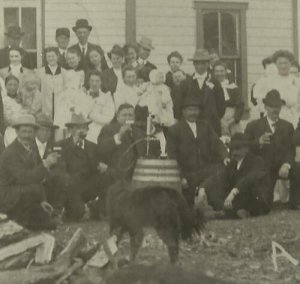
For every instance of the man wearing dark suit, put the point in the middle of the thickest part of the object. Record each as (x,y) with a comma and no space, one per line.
(207,91)
(244,183)
(22,176)
(144,50)
(82,30)
(81,159)
(272,139)
(113,76)
(62,36)
(114,144)
(14,36)
(196,147)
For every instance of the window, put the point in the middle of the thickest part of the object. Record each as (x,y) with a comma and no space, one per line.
(221,28)
(27,18)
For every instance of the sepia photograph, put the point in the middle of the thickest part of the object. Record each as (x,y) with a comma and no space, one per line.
(149,141)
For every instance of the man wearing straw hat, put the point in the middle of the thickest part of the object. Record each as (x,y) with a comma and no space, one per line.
(205,90)
(82,164)
(244,186)
(144,50)
(22,176)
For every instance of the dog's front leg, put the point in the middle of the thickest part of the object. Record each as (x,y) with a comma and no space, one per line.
(136,240)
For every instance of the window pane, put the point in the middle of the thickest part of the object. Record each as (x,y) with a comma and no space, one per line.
(11,17)
(210,31)
(29,28)
(229,32)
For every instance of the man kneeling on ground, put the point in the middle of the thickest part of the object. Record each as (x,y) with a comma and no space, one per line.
(244,182)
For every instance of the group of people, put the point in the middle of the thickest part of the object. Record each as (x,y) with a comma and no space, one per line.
(75,127)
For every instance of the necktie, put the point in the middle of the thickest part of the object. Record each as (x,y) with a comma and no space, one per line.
(80,144)
(64,54)
(83,51)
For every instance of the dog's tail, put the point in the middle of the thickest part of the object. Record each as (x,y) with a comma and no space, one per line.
(192,220)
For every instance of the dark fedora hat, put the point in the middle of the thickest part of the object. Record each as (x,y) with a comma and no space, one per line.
(239,140)
(14,32)
(43,120)
(77,119)
(62,31)
(190,101)
(273,99)
(82,23)
(116,49)
(201,55)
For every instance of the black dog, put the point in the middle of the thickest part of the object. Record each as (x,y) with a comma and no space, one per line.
(163,209)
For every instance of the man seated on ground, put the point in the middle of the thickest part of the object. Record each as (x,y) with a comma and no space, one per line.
(244,183)
(196,147)
(86,174)
(116,143)
(22,176)
(272,139)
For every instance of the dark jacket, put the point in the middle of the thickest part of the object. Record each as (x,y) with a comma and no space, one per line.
(235,101)
(62,60)
(210,99)
(4,58)
(192,153)
(85,63)
(281,149)
(2,123)
(20,171)
(144,71)
(169,79)
(121,158)
(252,180)
(109,81)
(79,162)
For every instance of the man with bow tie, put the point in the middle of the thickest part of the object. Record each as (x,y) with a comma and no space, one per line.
(87,180)
(272,139)
(206,90)
(244,184)
(22,177)
(196,147)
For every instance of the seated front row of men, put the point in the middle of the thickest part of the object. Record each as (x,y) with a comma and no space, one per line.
(40,178)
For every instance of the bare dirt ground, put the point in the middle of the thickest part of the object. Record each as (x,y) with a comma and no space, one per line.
(238,251)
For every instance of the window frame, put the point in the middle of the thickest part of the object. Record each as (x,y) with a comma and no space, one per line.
(26,4)
(241,8)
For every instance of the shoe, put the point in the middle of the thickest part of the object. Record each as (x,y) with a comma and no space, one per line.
(243,214)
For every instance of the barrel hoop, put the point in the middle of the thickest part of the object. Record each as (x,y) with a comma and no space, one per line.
(156,172)
(151,178)
(156,162)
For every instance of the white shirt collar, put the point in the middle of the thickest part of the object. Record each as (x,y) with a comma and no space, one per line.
(239,163)
(62,51)
(83,46)
(271,124)
(53,68)
(142,61)
(193,127)
(200,76)
(41,147)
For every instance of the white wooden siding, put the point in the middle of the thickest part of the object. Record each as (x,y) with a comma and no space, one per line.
(106,16)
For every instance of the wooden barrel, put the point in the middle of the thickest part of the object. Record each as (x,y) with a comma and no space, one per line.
(156,172)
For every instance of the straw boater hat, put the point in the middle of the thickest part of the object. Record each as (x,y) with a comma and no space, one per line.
(201,55)
(146,43)
(77,119)
(238,140)
(82,23)
(273,99)
(14,32)
(25,120)
(43,120)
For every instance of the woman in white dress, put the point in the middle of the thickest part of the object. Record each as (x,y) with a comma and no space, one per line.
(127,92)
(51,82)
(287,85)
(102,111)
(73,98)
(15,67)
